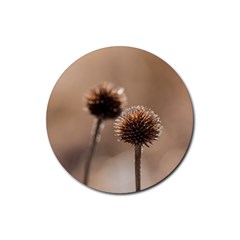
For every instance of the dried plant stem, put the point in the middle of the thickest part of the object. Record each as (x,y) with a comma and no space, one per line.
(138,151)
(91,150)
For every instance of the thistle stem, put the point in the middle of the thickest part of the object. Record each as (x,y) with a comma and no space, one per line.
(91,150)
(138,151)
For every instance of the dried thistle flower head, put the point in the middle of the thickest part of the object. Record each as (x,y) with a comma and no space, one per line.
(105,102)
(138,125)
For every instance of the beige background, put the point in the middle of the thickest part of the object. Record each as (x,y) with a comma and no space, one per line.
(147,81)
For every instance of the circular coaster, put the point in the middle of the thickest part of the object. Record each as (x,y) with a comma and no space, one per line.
(120,120)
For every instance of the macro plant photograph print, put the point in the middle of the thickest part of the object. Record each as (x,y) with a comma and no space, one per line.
(120,120)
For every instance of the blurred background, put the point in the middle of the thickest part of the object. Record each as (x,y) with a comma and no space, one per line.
(147,81)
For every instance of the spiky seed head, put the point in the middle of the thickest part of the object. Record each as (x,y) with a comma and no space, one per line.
(105,101)
(138,125)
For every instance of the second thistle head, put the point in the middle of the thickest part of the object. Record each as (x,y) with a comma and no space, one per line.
(105,102)
(138,125)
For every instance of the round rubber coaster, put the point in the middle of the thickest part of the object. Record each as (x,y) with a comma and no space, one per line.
(120,120)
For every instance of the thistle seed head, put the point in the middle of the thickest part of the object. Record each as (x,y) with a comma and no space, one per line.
(138,125)
(105,101)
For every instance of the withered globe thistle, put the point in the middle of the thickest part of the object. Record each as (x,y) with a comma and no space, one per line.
(105,102)
(138,125)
